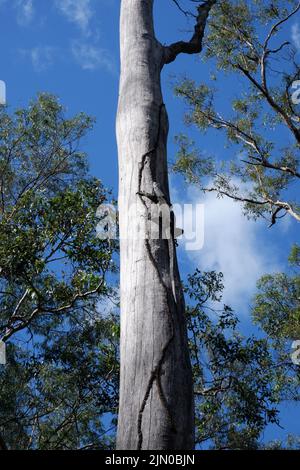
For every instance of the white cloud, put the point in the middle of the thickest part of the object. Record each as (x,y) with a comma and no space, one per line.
(78,12)
(41,57)
(2,92)
(87,56)
(91,57)
(296,35)
(234,246)
(25,11)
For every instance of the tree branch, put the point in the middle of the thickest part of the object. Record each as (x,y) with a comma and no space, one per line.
(42,309)
(194,46)
(267,52)
(276,107)
(276,204)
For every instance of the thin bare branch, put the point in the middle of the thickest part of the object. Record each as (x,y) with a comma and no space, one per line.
(194,46)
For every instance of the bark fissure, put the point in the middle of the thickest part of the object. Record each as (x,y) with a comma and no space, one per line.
(155,375)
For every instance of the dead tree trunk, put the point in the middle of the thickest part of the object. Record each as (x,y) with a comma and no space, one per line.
(156,391)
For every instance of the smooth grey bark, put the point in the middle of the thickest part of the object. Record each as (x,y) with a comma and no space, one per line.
(156,408)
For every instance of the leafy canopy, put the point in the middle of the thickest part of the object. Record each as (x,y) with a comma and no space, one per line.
(247,42)
(61,374)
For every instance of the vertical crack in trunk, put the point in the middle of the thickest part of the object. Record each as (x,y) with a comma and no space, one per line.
(156,372)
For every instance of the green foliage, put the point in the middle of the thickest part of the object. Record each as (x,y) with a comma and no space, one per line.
(190,163)
(61,377)
(292,443)
(235,28)
(57,394)
(294,257)
(39,149)
(277,304)
(277,311)
(260,125)
(236,385)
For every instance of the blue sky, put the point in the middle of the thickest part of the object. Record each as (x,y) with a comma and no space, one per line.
(71,48)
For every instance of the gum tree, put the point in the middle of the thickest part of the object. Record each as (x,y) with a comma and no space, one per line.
(61,373)
(249,42)
(156,390)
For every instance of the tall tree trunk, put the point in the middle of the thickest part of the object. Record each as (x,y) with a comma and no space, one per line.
(156,392)
(156,397)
